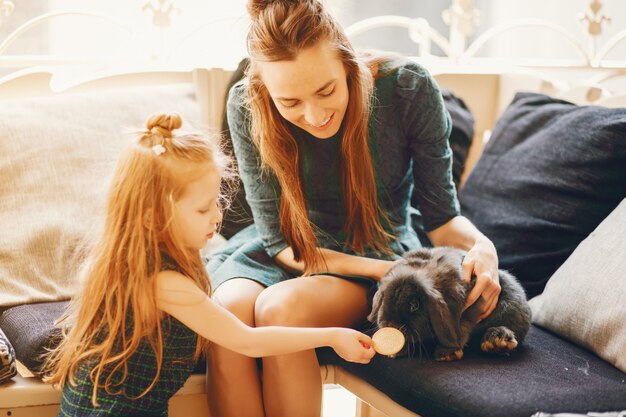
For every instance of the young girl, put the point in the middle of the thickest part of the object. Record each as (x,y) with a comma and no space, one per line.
(132,339)
(332,149)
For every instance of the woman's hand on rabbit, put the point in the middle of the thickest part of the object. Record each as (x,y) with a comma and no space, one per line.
(352,345)
(481,261)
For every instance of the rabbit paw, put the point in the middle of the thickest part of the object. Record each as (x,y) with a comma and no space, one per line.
(448,354)
(498,340)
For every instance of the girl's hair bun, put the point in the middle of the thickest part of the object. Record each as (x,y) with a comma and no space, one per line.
(255,7)
(164,124)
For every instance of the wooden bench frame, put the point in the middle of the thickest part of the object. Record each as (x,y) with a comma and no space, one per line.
(27,396)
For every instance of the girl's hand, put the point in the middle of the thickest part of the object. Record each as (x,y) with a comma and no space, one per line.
(352,345)
(481,261)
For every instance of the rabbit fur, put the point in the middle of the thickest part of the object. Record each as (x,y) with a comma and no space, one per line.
(423,295)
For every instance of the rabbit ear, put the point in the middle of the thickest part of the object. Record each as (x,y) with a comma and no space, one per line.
(446,328)
(377,303)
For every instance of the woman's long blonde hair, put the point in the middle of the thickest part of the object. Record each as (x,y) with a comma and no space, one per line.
(280,29)
(116,306)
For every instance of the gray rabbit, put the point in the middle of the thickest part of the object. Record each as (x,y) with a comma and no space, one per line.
(423,295)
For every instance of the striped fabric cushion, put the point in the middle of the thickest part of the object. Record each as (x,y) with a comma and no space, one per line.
(7,359)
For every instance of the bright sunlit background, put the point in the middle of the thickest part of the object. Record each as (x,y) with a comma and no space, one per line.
(129,33)
(210,33)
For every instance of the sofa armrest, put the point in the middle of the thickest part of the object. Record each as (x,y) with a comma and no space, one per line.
(26,396)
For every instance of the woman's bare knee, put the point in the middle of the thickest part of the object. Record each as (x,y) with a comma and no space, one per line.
(276,307)
(238,296)
(318,301)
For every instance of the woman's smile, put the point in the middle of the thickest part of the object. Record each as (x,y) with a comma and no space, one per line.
(310,91)
(324,124)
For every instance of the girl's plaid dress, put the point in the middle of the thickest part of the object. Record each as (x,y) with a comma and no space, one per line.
(179,345)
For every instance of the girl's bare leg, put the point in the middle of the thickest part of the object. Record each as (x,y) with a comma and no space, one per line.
(292,384)
(233,381)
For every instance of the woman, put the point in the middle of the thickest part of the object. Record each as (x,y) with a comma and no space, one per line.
(329,148)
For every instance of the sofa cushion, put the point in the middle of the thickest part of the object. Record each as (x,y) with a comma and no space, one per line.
(32,331)
(550,173)
(57,153)
(7,359)
(584,299)
(461,134)
(547,373)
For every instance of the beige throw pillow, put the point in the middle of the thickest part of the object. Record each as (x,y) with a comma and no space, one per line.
(584,299)
(56,157)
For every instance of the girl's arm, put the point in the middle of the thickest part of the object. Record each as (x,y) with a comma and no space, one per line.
(481,260)
(338,263)
(181,298)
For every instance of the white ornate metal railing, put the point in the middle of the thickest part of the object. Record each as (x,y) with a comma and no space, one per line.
(151,38)
(6,7)
(49,16)
(462,19)
(459,46)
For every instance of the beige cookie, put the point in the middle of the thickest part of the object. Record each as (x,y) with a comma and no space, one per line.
(388,341)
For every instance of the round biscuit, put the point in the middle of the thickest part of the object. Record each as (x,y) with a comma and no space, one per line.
(388,341)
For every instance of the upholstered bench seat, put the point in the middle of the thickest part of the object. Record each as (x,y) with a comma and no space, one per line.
(547,374)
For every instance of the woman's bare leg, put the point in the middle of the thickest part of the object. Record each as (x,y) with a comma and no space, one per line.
(231,376)
(292,384)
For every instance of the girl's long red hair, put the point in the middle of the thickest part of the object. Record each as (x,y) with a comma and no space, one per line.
(116,308)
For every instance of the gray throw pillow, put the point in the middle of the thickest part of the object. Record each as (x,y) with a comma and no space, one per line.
(551,172)
(584,299)
(33,332)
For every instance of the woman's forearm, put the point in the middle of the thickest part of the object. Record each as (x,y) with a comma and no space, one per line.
(458,232)
(338,263)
